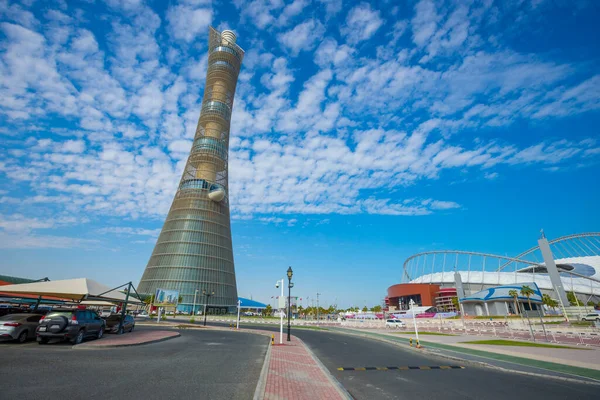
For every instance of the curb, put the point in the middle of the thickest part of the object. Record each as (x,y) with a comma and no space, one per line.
(591,381)
(341,390)
(89,346)
(261,386)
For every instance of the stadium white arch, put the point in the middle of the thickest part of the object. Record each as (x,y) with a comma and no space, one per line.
(578,263)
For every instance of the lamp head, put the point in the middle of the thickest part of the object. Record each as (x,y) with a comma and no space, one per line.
(290,273)
(277,285)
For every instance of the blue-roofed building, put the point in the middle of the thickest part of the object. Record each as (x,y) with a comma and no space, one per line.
(497,301)
(248,303)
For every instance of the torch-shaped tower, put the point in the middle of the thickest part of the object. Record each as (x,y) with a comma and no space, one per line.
(194,252)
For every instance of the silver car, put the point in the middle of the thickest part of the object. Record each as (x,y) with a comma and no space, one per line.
(19,327)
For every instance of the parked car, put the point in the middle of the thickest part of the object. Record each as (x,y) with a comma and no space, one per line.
(19,327)
(142,315)
(6,309)
(70,324)
(112,323)
(591,317)
(394,323)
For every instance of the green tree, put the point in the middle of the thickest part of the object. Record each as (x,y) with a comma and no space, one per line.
(364,309)
(591,303)
(149,299)
(573,300)
(268,311)
(514,295)
(546,299)
(456,303)
(527,292)
(377,308)
(300,309)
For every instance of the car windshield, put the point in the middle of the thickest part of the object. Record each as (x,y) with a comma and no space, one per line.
(11,317)
(115,317)
(59,314)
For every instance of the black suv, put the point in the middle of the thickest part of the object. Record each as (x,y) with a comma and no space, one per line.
(73,325)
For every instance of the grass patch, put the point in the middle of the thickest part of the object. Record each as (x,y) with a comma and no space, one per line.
(314,328)
(500,342)
(425,333)
(582,323)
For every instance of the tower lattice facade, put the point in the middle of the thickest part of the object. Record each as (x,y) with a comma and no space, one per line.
(194,249)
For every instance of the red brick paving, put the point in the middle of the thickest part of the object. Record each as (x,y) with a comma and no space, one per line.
(294,374)
(129,339)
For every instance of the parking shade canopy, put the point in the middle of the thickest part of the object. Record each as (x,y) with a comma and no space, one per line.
(73,289)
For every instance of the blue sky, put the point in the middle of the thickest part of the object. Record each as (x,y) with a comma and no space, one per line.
(362,132)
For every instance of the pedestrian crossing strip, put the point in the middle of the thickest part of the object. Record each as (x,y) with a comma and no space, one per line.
(401,368)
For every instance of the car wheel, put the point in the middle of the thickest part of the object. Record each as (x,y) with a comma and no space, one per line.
(131,330)
(79,338)
(100,333)
(22,337)
(121,331)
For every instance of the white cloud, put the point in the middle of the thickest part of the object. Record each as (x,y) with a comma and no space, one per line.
(189,22)
(28,241)
(306,138)
(291,10)
(332,7)
(302,37)
(73,146)
(361,23)
(130,231)
(491,175)
(424,23)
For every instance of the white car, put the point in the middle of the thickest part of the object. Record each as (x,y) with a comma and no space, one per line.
(591,317)
(394,323)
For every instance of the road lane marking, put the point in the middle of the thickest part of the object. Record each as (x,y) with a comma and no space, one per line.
(401,368)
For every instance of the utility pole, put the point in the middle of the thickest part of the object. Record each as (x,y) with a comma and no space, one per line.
(318,294)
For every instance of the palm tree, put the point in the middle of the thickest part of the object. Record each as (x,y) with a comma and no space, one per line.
(455,303)
(527,292)
(514,295)
(268,310)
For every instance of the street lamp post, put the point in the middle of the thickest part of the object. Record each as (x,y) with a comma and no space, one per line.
(239,304)
(412,303)
(282,298)
(290,285)
(194,308)
(207,294)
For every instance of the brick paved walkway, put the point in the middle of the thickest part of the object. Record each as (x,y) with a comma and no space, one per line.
(129,339)
(294,374)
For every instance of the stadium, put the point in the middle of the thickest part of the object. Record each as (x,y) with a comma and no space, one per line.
(431,278)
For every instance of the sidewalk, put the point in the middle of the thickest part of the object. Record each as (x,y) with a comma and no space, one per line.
(294,373)
(129,339)
(291,370)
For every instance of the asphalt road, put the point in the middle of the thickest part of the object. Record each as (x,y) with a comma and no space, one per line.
(474,382)
(199,364)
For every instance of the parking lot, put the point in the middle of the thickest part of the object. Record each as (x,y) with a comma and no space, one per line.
(199,364)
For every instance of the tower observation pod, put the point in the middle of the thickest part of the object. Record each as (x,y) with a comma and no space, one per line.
(193,252)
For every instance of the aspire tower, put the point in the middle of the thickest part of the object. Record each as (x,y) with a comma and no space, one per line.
(193,253)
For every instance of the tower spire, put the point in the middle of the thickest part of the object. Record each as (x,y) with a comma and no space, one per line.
(194,249)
